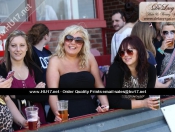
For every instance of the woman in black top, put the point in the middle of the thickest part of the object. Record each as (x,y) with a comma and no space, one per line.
(131,70)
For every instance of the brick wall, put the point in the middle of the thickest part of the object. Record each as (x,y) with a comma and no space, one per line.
(95,39)
(110,6)
(96,33)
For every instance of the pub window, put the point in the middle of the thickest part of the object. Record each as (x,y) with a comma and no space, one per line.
(14,10)
(65,9)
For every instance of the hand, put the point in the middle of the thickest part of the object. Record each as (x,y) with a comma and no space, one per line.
(5,83)
(151,103)
(102,108)
(57,117)
(165,43)
(25,123)
(40,85)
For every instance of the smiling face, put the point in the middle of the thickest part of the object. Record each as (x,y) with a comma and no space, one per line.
(73,47)
(17,48)
(130,57)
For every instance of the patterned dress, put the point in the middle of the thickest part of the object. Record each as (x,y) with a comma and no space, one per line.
(6,119)
(171,69)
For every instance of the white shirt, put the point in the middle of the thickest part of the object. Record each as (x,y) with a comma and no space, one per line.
(49,14)
(116,41)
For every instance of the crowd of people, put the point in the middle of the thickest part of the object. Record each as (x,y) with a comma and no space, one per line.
(140,53)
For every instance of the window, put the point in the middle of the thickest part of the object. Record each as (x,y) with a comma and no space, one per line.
(13,10)
(64,9)
(56,14)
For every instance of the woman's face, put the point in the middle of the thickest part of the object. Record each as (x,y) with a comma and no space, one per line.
(129,56)
(73,44)
(168,30)
(17,48)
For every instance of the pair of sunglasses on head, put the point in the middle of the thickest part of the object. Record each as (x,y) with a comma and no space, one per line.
(70,38)
(168,32)
(128,51)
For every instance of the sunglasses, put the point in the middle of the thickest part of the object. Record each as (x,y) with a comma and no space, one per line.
(128,51)
(70,38)
(168,32)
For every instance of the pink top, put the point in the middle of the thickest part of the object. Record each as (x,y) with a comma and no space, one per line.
(27,83)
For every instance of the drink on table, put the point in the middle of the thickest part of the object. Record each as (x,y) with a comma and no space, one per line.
(32,117)
(156,98)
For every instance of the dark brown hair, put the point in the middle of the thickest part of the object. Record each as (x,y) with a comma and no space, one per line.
(131,12)
(28,57)
(142,66)
(36,33)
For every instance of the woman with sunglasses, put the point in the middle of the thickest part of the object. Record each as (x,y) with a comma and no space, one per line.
(147,39)
(131,70)
(165,51)
(73,66)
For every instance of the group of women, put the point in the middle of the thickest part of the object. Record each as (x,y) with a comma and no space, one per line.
(73,66)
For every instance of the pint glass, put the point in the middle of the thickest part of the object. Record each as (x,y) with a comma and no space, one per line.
(63,109)
(32,117)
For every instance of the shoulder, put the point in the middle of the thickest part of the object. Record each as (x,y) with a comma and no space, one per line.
(48,7)
(151,68)
(115,67)
(91,58)
(54,58)
(48,51)
(3,71)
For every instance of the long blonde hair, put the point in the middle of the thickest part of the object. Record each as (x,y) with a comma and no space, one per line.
(146,33)
(84,52)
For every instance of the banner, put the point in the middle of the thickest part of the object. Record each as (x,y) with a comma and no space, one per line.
(96,91)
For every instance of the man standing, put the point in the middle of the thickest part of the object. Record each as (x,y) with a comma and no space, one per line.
(118,21)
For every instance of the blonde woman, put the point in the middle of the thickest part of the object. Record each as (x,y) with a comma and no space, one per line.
(73,66)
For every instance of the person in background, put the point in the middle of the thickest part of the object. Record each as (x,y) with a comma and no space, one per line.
(131,70)
(38,37)
(147,37)
(10,113)
(44,12)
(74,66)
(158,36)
(118,20)
(131,16)
(18,58)
(165,52)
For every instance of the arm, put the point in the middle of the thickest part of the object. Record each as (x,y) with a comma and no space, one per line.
(98,82)
(18,118)
(159,57)
(53,77)
(113,50)
(115,80)
(115,76)
(151,76)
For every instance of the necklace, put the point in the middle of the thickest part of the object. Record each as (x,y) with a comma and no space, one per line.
(23,81)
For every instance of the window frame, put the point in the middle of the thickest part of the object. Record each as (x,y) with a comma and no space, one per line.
(98,22)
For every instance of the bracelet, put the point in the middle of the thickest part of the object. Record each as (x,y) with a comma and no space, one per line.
(160,50)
